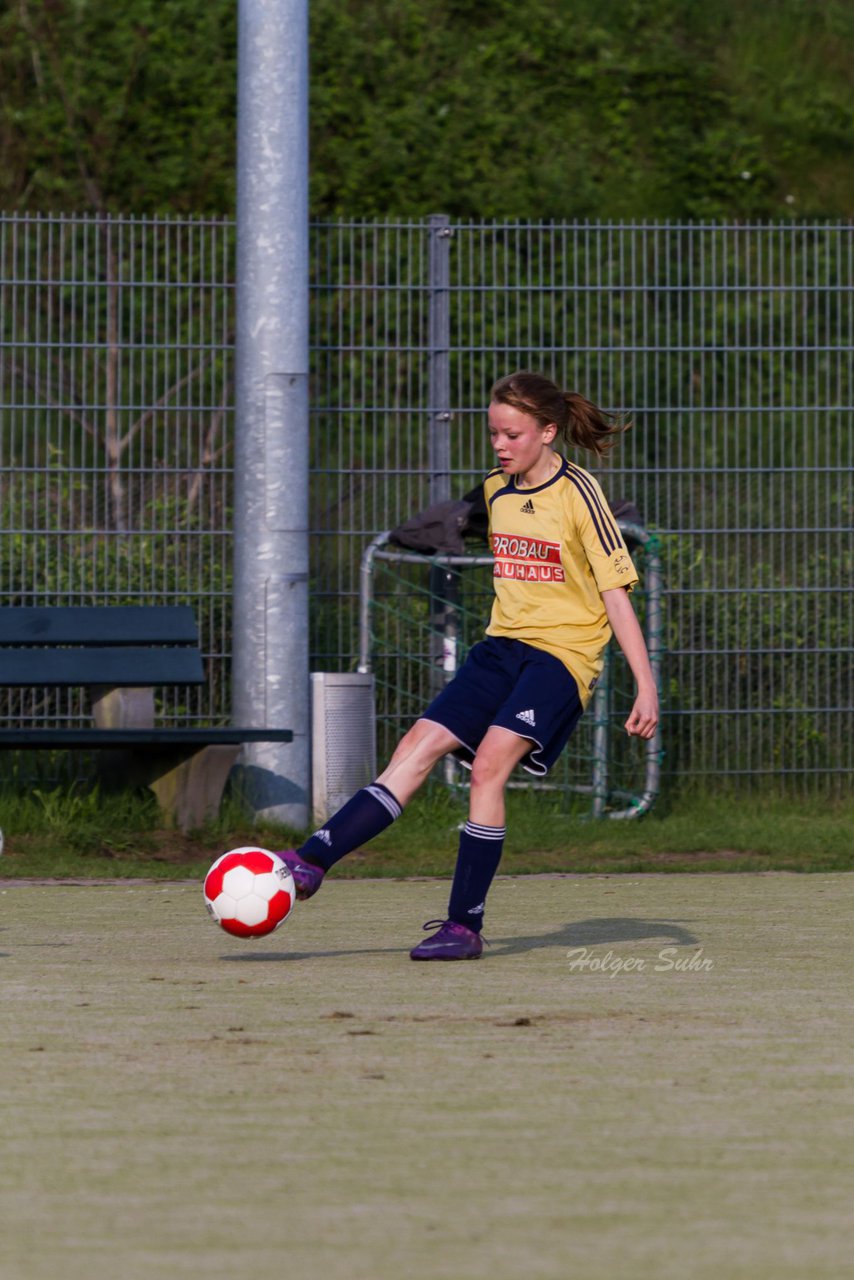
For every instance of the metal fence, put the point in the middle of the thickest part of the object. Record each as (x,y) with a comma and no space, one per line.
(115,396)
(729,346)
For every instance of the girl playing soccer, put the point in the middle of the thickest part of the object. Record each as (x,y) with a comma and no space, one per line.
(562,581)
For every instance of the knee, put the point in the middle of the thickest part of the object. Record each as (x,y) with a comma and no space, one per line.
(488,770)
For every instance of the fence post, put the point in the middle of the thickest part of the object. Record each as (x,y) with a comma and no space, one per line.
(438,357)
(601,716)
(270,670)
(443,584)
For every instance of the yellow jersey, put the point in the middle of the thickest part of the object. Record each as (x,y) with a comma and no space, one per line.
(557,547)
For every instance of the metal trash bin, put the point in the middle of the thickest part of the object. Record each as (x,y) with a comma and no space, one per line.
(343,738)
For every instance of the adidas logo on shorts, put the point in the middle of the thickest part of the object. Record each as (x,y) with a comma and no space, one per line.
(528,717)
(528,508)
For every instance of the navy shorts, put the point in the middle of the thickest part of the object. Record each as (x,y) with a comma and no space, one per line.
(511,684)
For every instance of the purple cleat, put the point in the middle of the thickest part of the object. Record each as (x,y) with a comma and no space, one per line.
(307,877)
(451,942)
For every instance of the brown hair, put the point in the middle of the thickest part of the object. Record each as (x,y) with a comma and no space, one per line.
(578,420)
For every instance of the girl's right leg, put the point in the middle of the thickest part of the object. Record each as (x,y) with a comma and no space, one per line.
(415,755)
(372,809)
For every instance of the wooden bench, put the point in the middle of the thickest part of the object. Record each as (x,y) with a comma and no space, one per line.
(120,654)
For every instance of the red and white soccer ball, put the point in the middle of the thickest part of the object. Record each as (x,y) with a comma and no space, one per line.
(249,892)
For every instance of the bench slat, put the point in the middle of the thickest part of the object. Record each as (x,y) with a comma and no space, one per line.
(122,668)
(63,738)
(99,625)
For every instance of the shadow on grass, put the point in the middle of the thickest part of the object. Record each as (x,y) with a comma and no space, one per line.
(582,933)
(260,957)
(596,932)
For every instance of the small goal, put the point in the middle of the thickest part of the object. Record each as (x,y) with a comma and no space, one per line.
(418,616)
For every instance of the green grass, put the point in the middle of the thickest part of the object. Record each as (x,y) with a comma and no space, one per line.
(179,1105)
(78,833)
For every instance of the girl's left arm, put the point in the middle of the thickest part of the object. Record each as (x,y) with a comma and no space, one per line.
(643,719)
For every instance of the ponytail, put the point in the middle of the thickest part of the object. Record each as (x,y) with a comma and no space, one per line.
(588,426)
(579,421)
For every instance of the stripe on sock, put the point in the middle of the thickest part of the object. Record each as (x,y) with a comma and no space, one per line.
(386,799)
(485,833)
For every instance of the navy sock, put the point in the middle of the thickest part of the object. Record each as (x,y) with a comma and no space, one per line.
(477,863)
(364,816)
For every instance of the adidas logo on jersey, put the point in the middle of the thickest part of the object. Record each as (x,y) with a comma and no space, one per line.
(528,508)
(528,717)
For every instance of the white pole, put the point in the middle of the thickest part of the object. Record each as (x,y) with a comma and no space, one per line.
(270,621)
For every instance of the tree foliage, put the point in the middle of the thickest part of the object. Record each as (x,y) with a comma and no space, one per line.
(128,106)
(481,108)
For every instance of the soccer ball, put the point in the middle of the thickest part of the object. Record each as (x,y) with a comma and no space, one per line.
(249,892)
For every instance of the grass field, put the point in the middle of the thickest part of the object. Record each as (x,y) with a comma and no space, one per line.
(67,833)
(179,1104)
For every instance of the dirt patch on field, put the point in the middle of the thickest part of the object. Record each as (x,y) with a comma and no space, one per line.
(704,861)
(718,855)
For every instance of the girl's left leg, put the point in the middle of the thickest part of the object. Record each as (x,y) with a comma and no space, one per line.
(480,849)
(482,838)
